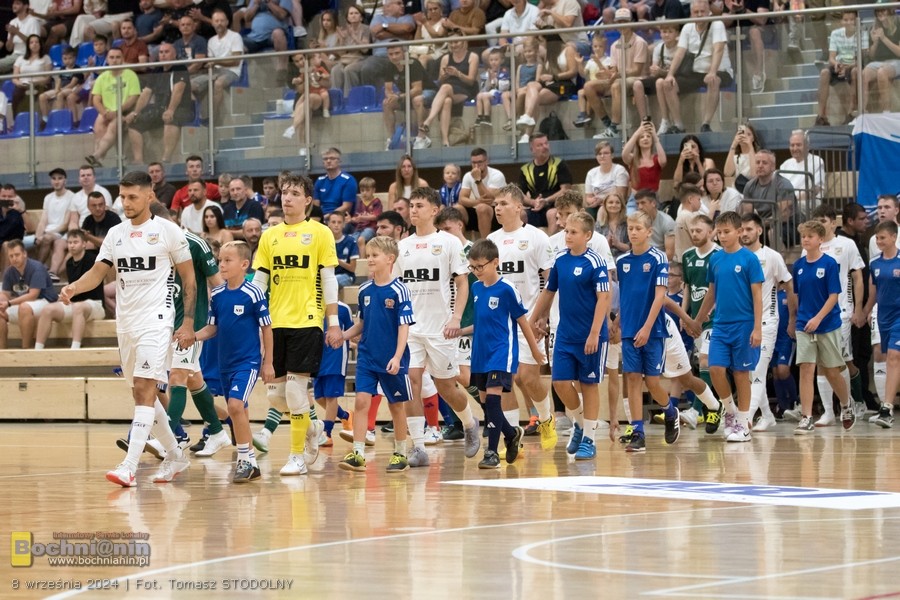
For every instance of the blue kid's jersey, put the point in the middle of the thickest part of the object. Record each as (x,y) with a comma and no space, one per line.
(577,279)
(813,283)
(733,274)
(639,276)
(784,314)
(238,314)
(688,341)
(886,276)
(334,360)
(383,309)
(347,249)
(495,345)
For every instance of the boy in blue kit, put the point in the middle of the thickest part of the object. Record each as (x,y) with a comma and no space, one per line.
(643,283)
(238,308)
(385,314)
(495,352)
(581,277)
(783,360)
(346,247)
(885,290)
(331,378)
(735,286)
(817,283)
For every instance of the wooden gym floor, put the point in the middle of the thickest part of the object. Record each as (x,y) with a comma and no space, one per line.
(623,526)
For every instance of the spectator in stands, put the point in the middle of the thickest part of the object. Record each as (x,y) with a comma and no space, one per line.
(391,224)
(252,230)
(660,61)
(59,19)
(662,10)
(171,21)
(690,207)
(163,190)
(606,178)
(78,208)
(149,24)
(214,229)
(224,43)
(598,73)
(97,224)
(134,49)
(269,190)
(555,82)
(630,52)
(406,178)
(48,236)
(760,32)
(476,196)
(203,12)
(224,180)
(346,247)
(612,223)
(23,26)
(718,198)
(26,290)
(431,28)
(317,99)
(691,157)
(804,170)
(251,194)
(192,216)
(458,83)
(105,98)
(193,167)
(646,158)
(34,61)
(190,45)
(401,207)
(65,90)
(884,52)
(84,307)
(468,19)
(742,155)
(336,189)
(562,14)
(493,82)
(391,24)
(768,192)
(841,68)
(518,19)
(240,208)
(268,20)
(354,33)
(707,42)
(420,90)
(165,102)
(368,209)
(662,234)
(12,226)
(108,25)
(542,179)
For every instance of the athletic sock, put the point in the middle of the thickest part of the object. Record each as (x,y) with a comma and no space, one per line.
(373,412)
(446,412)
(161,429)
(342,414)
(400,447)
(473,391)
(704,375)
(203,400)
(299,427)
(638,425)
(75,346)
(880,380)
(743,417)
(728,402)
(273,419)
(312,410)
(251,456)
(856,390)
(494,416)
(826,393)
(543,409)
(590,429)
(466,417)
(790,384)
(708,399)
(329,427)
(179,431)
(177,403)
(137,437)
(40,346)
(416,427)
(432,414)
(845,374)
(359,447)
(243,451)
(672,408)
(512,418)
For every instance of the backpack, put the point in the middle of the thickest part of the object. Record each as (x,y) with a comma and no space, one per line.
(553,128)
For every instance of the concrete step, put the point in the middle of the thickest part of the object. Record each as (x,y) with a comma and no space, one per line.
(784,123)
(787,109)
(240,142)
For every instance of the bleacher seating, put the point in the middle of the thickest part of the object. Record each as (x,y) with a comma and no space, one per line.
(58,122)
(21,126)
(85,53)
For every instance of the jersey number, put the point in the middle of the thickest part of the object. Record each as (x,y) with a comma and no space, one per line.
(136,263)
(290,261)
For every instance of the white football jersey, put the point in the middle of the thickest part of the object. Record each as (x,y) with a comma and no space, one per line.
(428,265)
(845,252)
(598,243)
(524,253)
(144,258)
(775,272)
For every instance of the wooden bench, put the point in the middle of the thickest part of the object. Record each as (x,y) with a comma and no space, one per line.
(96,333)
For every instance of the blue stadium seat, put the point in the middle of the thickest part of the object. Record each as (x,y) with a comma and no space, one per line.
(336,98)
(361,99)
(86,125)
(58,122)
(8,88)
(85,52)
(20,126)
(55,55)
(244,80)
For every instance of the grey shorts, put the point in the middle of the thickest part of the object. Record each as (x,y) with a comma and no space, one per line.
(822,349)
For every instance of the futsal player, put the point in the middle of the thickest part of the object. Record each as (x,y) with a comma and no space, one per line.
(145,251)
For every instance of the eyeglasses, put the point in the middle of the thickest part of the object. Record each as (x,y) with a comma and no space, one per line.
(324,158)
(478,268)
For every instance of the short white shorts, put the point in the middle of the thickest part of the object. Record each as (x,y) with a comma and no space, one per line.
(613,355)
(187,359)
(525,351)
(428,387)
(464,350)
(677,361)
(435,354)
(145,354)
(96,314)
(36,307)
(876,335)
(702,343)
(766,351)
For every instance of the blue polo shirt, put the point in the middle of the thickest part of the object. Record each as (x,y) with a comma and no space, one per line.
(331,193)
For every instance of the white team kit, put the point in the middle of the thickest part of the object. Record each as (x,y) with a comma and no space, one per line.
(844,251)
(775,272)
(428,265)
(144,258)
(524,253)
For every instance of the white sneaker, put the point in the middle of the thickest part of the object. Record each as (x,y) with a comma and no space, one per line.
(387,145)
(689,417)
(825,421)
(729,423)
(311,447)
(303,152)
(422,142)
(524,139)
(155,447)
(859,409)
(121,475)
(758,83)
(765,423)
(525,121)
(793,414)
(289,133)
(370,437)
(326,114)
(214,443)
(261,440)
(433,436)
(172,466)
(346,435)
(739,433)
(663,127)
(294,466)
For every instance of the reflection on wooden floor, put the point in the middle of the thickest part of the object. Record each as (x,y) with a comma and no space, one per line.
(332,534)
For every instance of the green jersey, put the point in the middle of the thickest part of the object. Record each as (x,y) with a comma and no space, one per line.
(696,268)
(204,266)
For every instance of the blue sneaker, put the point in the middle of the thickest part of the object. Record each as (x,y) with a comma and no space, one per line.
(586,450)
(575,441)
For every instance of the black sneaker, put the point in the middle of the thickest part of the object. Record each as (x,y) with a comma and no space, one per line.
(245,472)
(675,130)
(532,427)
(388,427)
(513,445)
(673,428)
(199,445)
(714,418)
(626,437)
(705,128)
(122,443)
(885,419)
(453,433)
(637,442)
(491,460)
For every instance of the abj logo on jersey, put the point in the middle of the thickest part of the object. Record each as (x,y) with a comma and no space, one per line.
(493,302)
(626,268)
(577,271)
(820,273)
(238,310)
